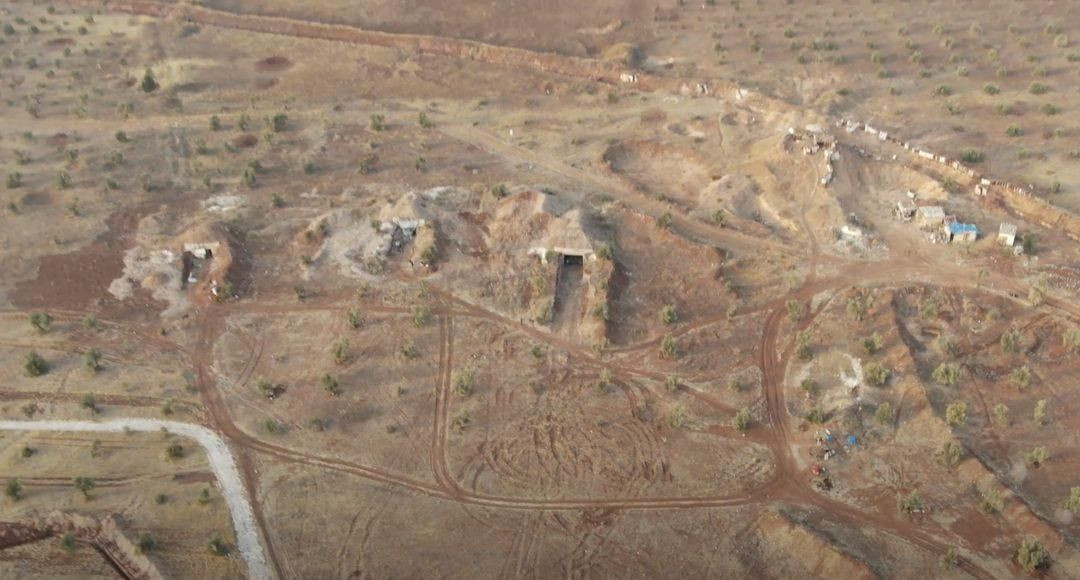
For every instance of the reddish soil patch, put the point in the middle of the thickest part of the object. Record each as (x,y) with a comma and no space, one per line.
(79,279)
(263,84)
(273,63)
(244,141)
(58,43)
(58,140)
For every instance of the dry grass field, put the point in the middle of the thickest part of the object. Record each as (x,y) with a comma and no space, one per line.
(539,289)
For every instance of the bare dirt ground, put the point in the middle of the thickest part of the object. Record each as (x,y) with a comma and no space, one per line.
(750,369)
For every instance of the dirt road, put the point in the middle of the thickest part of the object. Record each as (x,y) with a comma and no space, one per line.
(248,535)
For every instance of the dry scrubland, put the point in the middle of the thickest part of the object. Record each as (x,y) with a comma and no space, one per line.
(474,305)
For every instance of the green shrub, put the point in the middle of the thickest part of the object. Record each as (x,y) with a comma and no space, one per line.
(956,414)
(876,374)
(35,366)
(1032,554)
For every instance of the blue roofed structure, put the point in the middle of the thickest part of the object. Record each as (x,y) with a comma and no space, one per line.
(961,232)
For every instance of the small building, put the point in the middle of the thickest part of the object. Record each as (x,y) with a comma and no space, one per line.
(961,232)
(905,209)
(202,251)
(930,216)
(1006,234)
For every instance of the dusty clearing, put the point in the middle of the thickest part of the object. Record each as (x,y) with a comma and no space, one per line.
(641,289)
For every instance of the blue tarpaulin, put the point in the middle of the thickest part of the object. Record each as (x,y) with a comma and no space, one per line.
(851,440)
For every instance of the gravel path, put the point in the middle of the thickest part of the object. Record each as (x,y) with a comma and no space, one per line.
(221,461)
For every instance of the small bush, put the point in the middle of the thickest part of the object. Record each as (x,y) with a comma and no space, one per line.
(876,374)
(950,454)
(147,543)
(947,374)
(741,421)
(795,310)
(1038,88)
(956,414)
(910,503)
(993,502)
(972,156)
(664,221)
(669,348)
(1032,554)
(884,414)
(949,559)
(668,315)
(421,316)
(174,451)
(1001,415)
(872,343)
(1041,414)
(1073,503)
(35,366)
(41,321)
(464,382)
(816,416)
(92,359)
(218,547)
(1014,131)
(149,84)
(340,351)
(330,384)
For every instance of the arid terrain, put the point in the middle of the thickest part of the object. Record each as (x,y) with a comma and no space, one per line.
(626,288)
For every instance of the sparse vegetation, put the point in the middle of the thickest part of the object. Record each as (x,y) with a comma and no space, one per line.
(421,316)
(741,421)
(146,543)
(669,348)
(876,374)
(956,414)
(84,485)
(1032,554)
(950,454)
(884,414)
(910,503)
(1038,456)
(668,315)
(13,489)
(41,321)
(92,359)
(464,382)
(993,502)
(1041,415)
(330,384)
(947,374)
(872,344)
(218,547)
(35,366)
(1001,415)
(949,559)
(794,310)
